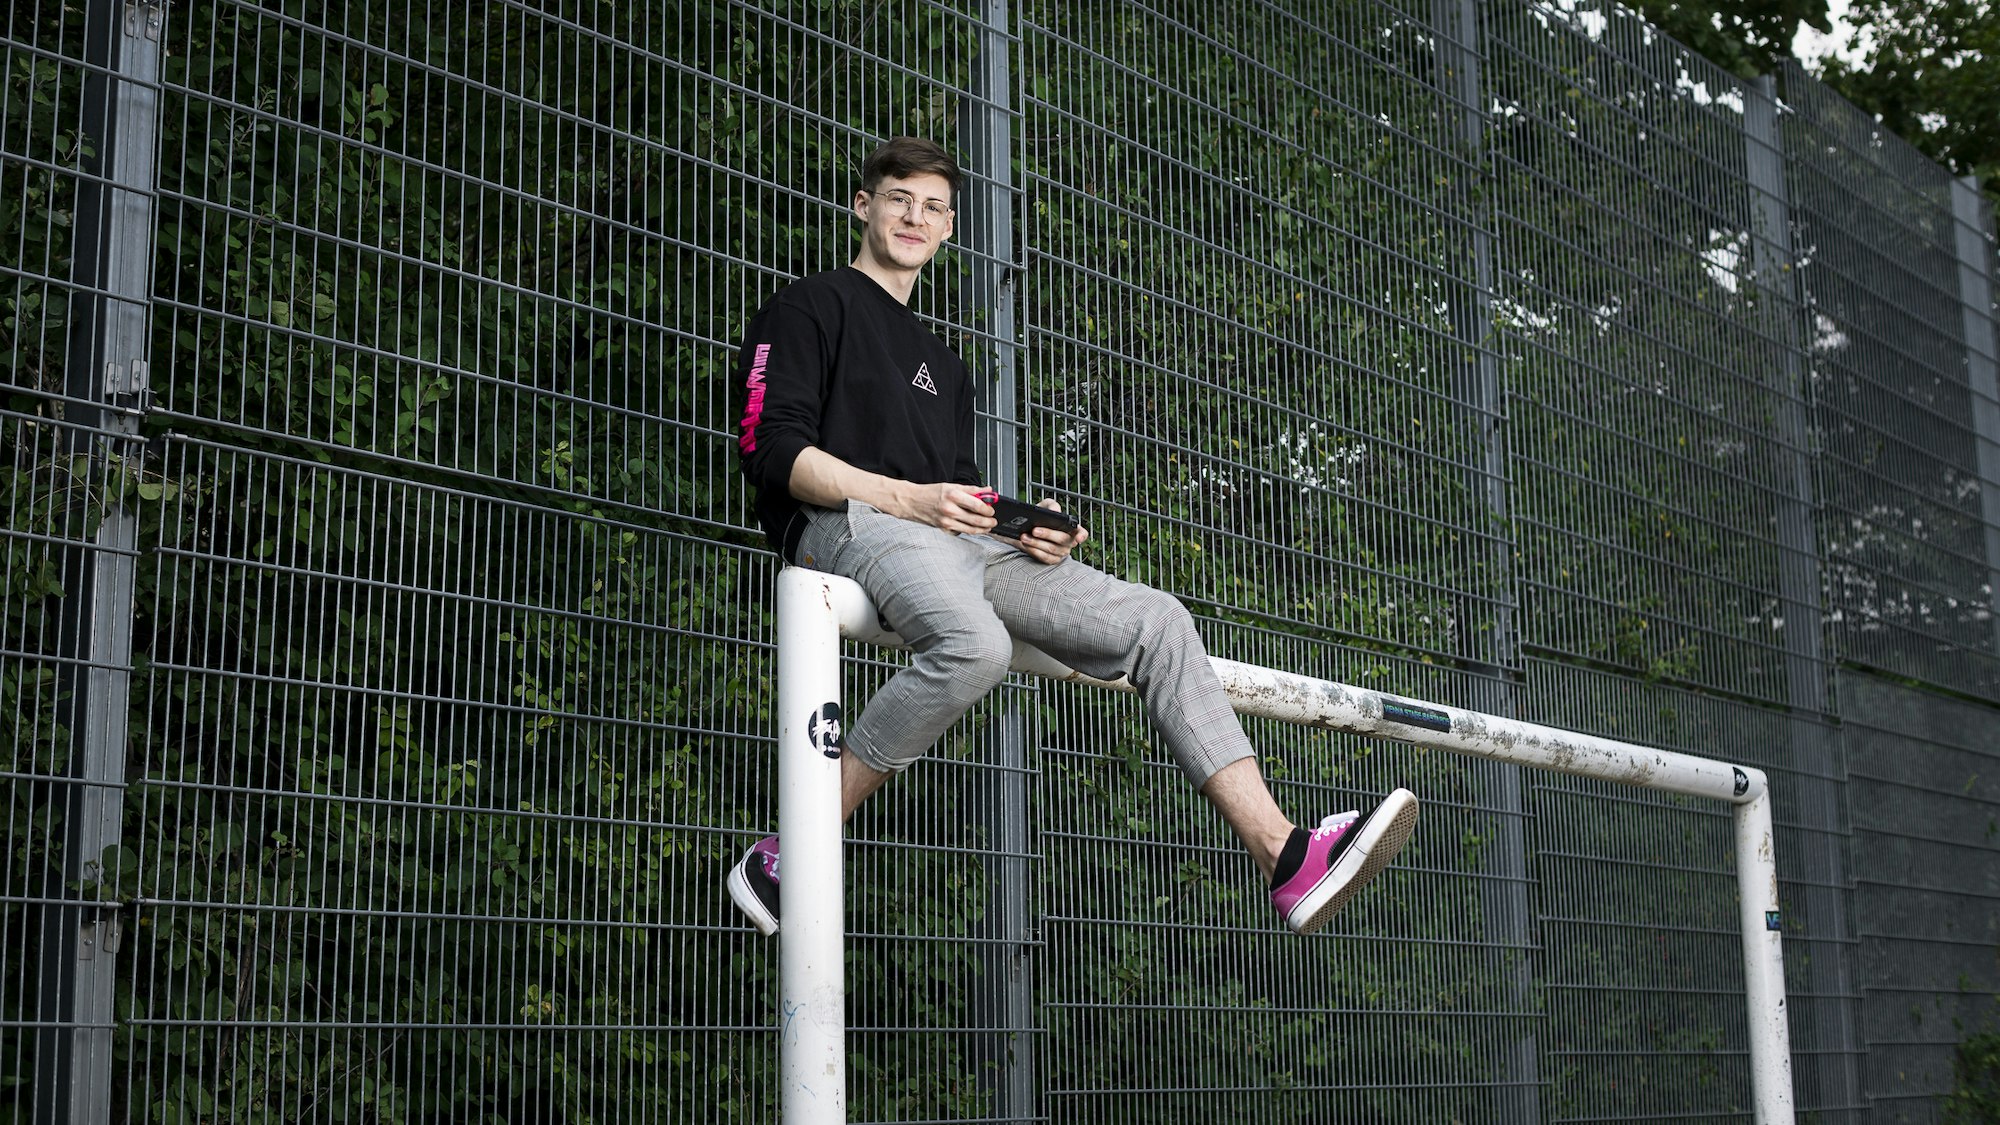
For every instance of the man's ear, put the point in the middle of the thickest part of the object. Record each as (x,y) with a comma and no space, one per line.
(860,204)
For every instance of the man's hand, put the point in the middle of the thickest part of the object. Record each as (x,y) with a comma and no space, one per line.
(949,507)
(1046,544)
(818,477)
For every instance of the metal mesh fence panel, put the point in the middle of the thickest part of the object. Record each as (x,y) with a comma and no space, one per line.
(1927,889)
(1906,517)
(427,825)
(369,391)
(1641,967)
(1642,384)
(1660,489)
(1253,363)
(1235,308)
(471,239)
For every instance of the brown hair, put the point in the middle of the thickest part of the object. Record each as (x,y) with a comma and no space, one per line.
(902,157)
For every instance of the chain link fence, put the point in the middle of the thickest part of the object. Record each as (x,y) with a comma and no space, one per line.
(389,645)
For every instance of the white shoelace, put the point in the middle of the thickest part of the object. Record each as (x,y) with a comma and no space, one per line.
(1339,820)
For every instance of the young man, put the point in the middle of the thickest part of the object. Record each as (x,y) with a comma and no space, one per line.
(857,431)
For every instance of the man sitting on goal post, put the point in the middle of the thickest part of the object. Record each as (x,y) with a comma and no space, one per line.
(857,432)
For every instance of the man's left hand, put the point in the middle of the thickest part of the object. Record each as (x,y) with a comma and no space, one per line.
(1046,544)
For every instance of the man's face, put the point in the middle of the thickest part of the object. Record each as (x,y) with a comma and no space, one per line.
(902,230)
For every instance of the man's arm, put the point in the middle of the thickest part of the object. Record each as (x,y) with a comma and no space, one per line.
(820,478)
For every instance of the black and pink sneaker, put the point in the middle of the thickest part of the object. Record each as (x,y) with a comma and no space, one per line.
(1320,870)
(753,885)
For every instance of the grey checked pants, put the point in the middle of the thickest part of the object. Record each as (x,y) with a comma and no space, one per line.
(959,601)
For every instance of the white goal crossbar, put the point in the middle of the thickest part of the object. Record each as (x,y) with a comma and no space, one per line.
(815,610)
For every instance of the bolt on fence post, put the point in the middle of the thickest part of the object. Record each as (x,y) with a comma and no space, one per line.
(812,1015)
(107,365)
(1974,227)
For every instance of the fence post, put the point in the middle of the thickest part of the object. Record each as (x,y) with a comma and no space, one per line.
(1823,891)
(1781,320)
(1006,1001)
(988,238)
(112,285)
(812,989)
(1982,364)
(1009,991)
(1478,387)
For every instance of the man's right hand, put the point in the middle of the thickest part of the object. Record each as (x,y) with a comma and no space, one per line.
(818,477)
(955,508)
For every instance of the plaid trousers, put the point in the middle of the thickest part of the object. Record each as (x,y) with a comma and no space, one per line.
(960,600)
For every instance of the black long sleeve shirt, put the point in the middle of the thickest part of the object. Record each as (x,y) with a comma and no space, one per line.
(834,361)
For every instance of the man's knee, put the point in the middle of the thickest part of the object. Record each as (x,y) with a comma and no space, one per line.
(955,671)
(975,657)
(1164,617)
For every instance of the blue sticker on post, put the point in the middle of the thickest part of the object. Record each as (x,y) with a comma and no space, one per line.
(824,729)
(1772,921)
(1411,715)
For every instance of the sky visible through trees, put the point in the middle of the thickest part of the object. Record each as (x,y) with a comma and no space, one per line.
(1929,70)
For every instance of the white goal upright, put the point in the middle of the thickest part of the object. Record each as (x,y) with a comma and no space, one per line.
(816,610)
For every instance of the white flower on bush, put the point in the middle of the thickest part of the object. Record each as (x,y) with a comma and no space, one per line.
(1316,460)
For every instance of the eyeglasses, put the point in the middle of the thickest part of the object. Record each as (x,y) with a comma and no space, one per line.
(903,203)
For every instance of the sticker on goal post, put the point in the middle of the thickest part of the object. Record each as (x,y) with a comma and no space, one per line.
(824,729)
(1411,715)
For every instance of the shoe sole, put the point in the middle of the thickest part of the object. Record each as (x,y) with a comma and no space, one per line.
(747,901)
(1380,837)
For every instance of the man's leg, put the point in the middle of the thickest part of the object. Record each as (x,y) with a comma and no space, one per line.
(1238,792)
(1107,627)
(858,782)
(925,583)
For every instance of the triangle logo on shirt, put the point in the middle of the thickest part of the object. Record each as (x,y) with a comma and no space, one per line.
(923,379)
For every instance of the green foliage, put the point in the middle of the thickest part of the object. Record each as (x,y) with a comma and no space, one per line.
(1746,38)
(1926,69)
(1236,354)
(1160,936)
(1976,1098)
(415,861)
(1927,73)
(37,203)
(1644,394)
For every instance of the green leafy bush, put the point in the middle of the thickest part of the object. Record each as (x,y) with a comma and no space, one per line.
(1976,1100)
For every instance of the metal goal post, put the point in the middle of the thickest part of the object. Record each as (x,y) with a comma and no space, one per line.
(816,610)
